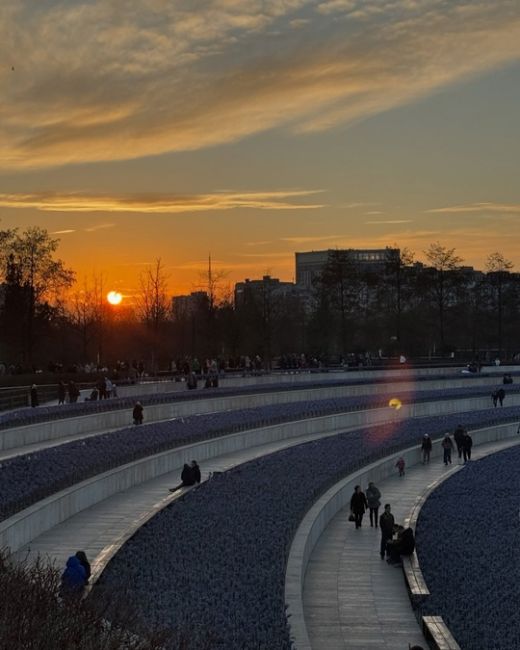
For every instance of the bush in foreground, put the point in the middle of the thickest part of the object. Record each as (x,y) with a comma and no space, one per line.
(32,616)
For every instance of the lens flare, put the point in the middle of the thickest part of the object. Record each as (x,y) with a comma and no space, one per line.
(395,403)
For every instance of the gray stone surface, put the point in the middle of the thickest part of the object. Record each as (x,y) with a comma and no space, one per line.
(352,599)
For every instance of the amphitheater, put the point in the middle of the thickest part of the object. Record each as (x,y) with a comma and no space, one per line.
(262,556)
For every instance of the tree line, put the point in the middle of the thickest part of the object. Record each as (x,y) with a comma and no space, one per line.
(400,306)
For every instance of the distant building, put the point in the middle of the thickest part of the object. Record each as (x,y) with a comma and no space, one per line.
(189,305)
(309,265)
(260,289)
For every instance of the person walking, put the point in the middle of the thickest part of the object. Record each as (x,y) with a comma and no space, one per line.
(73,392)
(458,434)
(373,499)
(137,413)
(426,447)
(34,396)
(467,444)
(447,447)
(501,393)
(400,465)
(358,505)
(494,397)
(386,524)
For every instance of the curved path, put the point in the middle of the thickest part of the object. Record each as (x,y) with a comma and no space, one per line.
(101,529)
(353,600)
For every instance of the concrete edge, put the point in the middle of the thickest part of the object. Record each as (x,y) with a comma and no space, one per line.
(53,430)
(26,525)
(334,500)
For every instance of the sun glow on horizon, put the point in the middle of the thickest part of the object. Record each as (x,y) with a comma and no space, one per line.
(114,297)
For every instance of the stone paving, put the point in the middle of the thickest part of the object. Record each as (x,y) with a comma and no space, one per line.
(352,599)
(96,529)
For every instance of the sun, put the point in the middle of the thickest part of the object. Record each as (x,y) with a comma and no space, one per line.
(114,297)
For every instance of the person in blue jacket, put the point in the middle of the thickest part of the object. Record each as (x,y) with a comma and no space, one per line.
(73,579)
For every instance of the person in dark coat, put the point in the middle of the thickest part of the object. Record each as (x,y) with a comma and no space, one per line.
(358,505)
(403,545)
(373,499)
(34,396)
(82,557)
(458,434)
(137,413)
(501,393)
(73,392)
(447,447)
(191,381)
(494,397)
(102,388)
(467,444)
(195,470)
(189,476)
(387,525)
(73,579)
(94,394)
(426,447)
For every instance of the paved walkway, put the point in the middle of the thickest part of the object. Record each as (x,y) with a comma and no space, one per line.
(96,529)
(352,599)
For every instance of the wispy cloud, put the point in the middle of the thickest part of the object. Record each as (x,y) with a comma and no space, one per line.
(481,208)
(63,232)
(388,221)
(273,255)
(93,82)
(307,239)
(155,203)
(100,226)
(358,204)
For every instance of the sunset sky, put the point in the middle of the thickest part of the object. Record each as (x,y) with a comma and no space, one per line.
(251,129)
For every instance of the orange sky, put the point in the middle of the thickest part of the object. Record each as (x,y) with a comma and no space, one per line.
(253,129)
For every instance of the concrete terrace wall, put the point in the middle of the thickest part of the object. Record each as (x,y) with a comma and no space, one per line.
(44,515)
(100,422)
(337,498)
(147,388)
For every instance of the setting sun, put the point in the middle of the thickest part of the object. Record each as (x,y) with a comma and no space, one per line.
(114,297)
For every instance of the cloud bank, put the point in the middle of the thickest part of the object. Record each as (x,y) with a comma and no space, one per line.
(160,203)
(117,79)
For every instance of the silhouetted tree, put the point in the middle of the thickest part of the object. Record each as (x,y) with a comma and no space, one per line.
(442,277)
(397,284)
(340,282)
(498,278)
(153,305)
(34,280)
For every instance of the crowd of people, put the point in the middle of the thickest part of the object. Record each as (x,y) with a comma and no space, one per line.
(396,540)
